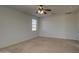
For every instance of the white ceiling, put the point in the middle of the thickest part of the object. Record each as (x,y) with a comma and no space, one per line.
(31,9)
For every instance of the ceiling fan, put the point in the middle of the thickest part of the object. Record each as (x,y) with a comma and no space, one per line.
(41,10)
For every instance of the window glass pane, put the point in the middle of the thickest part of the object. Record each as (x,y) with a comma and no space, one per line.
(34,21)
(34,25)
(34,29)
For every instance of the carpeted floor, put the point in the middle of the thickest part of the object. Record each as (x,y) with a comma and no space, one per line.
(44,45)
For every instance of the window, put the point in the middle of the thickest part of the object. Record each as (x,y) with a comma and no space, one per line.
(34,24)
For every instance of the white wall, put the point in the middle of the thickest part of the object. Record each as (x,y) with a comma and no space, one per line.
(59,26)
(15,27)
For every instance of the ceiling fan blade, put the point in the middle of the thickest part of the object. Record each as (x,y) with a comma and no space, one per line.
(47,9)
(45,12)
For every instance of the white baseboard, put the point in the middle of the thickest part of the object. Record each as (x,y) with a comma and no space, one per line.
(31,37)
(17,41)
(63,36)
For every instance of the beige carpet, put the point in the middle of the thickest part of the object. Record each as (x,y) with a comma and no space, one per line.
(43,45)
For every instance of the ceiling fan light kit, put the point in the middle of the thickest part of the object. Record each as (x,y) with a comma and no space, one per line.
(40,11)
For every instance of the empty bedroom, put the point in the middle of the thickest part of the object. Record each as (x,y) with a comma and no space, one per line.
(39,29)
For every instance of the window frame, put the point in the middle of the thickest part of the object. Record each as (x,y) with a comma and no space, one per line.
(34,25)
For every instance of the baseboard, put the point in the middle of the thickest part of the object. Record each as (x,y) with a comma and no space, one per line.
(25,38)
(16,42)
(57,37)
